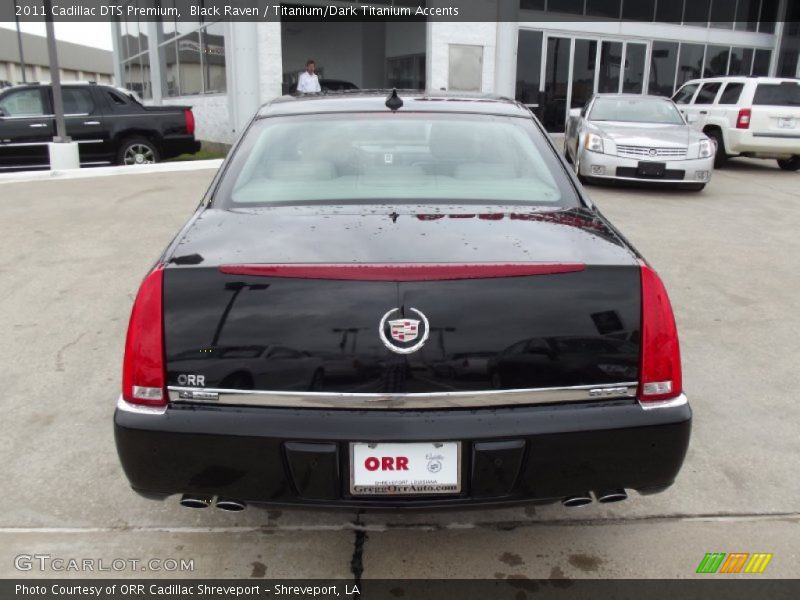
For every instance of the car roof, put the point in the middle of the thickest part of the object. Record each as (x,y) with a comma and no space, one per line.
(743,78)
(375,101)
(639,96)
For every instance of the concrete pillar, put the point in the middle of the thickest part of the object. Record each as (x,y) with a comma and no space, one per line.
(157,64)
(116,54)
(505,65)
(242,55)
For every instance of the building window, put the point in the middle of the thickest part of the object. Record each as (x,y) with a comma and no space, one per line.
(633,74)
(769,14)
(640,10)
(761,62)
(696,12)
(663,61)
(747,15)
(405,72)
(690,63)
(135,65)
(670,11)
(529,67)
(723,13)
(716,61)
(193,57)
(741,61)
(574,7)
(610,62)
(603,8)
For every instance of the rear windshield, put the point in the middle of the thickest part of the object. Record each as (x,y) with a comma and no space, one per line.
(411,157)
(777,94)
(635,110)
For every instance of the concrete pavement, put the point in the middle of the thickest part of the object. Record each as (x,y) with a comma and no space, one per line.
(72,253)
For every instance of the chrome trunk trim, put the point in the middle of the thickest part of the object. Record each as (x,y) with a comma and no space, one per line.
(126,406)
(432,400)
(671,403)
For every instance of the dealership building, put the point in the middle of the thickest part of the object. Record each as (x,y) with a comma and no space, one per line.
(550,54)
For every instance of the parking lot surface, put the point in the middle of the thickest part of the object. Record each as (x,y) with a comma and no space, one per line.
(73,252)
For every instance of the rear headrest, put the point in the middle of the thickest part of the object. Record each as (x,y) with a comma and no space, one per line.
(484,171)
(452,142)
(296,170)
(394,171)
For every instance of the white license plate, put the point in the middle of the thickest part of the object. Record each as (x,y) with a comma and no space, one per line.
(389,469)
(786,123)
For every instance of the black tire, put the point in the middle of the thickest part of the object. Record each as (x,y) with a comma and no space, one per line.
(566,153)
(694,187)
(790,164)
(137,151)
(721,156)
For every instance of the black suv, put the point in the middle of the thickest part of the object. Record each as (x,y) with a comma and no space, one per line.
(110,125)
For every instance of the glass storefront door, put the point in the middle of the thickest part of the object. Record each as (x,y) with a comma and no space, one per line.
(583,70)
(572,70)
(553,109)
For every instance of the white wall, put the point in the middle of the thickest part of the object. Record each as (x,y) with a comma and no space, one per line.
(211,114)
(270,60)
(441,35)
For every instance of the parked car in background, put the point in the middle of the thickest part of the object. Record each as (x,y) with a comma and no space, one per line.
(756,117)
(372,233)
(637,138)
(326,85)
(110,125)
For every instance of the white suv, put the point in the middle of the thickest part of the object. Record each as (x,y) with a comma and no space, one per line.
(757,117)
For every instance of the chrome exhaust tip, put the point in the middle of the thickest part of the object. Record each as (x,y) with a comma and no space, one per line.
(230,505)
(195,501)
(608,496)
(577,500)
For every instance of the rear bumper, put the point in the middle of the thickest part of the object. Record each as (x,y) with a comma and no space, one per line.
(281,456)
(179,144)
(765,143)
(698,170)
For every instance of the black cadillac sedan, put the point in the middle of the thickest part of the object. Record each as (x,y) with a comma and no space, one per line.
(288,346)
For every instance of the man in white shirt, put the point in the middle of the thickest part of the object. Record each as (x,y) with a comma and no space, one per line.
(307,82)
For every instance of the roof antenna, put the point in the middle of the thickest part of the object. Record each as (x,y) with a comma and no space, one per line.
(394,101)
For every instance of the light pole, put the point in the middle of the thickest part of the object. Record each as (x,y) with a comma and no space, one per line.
(55,76)
(63,151)
(19,43)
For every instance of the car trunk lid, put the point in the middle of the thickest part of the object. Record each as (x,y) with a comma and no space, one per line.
(554,301)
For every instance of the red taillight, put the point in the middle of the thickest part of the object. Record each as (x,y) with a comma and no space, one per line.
(143,379)
(189,117)
(660,368)
(743,120)
(402,271)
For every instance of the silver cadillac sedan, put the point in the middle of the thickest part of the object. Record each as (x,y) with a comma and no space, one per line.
(637,138)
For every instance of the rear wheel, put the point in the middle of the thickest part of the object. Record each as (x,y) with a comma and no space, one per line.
(721,156)
(137,151)
(790,164)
